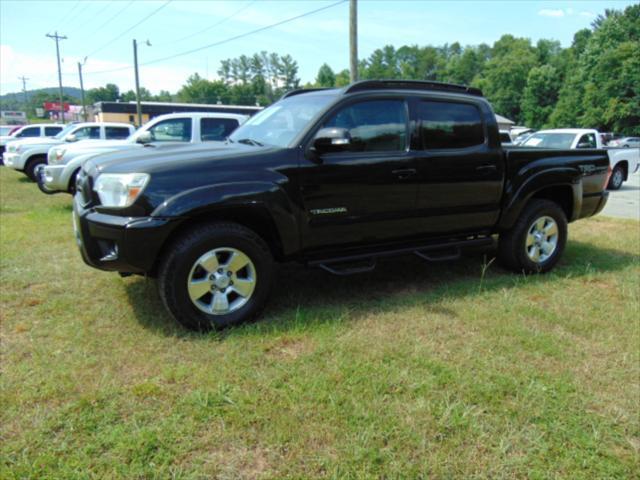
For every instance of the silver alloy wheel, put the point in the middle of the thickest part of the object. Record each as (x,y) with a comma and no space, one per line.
(542,239)
(618,178)
(221,281)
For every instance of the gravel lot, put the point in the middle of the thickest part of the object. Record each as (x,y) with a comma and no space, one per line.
(625,203)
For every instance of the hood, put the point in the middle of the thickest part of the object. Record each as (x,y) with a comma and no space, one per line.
(152,159)
(38,141)
(98,144)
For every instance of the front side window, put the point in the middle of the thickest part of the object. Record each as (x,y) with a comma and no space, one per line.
(216,129)
(87,133)
(172,130)
(116,133)
(29,132)
(449,125)
(51,131)
(374,126)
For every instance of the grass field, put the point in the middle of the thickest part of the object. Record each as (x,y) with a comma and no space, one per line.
(455,370)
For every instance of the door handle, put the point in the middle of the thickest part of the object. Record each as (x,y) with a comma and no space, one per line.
(404,173)
(487,168)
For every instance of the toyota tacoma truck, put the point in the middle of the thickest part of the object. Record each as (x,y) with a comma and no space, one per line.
(28,131)
(624,161)
(171,130)
(336,179)
(27,155)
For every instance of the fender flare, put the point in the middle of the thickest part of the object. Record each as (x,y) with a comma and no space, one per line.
(517,196)
(265,199)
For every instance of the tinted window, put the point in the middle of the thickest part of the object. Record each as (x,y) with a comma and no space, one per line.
(116,133)
(87,133)
(449,125)
(216,128)
(587,141)
(375,126)
(505,138)
(29,132)
(172,130)
(51,131)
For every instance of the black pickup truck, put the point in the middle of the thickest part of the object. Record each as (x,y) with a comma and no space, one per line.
(334,178)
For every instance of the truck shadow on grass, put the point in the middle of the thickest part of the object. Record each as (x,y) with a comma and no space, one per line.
(303,297)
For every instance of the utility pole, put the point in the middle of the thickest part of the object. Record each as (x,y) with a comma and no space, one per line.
(84,107)
(353,39)
(24,92)
(135,66)
(57,39)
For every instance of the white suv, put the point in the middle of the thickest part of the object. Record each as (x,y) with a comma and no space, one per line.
(26,155)
(169,130)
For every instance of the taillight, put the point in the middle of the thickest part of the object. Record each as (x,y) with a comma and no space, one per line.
(606,181)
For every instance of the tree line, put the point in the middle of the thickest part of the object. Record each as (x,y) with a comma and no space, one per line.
(595,82)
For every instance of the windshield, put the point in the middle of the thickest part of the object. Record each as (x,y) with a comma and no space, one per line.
(64,132)
(280,123)
(4,131)
(550,140)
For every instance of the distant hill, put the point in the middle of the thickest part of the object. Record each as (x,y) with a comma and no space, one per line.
(10,99)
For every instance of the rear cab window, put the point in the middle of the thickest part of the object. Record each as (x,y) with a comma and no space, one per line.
(449,125)
(217,129)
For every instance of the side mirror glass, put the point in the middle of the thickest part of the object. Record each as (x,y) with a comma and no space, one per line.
(332,139)
(144,138)
(71,138)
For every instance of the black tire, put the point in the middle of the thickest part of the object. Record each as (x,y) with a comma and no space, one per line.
(617,178)
(180,257)
(32,164)
(512,244)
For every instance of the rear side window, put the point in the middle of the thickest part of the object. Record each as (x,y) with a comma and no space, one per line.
(51,131)
(374,126)
(449,125)
(212,129)
(29,132)
(116,133)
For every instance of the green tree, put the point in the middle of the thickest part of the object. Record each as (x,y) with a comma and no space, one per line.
(540,95)
(326,77)
(109,93)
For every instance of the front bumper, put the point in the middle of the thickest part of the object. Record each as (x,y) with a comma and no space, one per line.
(121,244)
(12,160)
(53,178)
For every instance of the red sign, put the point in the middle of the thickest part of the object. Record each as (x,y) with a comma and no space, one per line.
(55,106)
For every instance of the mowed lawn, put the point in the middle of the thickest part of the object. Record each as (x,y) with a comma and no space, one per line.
(451,370)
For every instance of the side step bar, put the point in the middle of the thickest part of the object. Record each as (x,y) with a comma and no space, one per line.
(366,262)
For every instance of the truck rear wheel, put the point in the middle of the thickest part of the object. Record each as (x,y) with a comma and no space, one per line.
(617,178)
(537,240)
(215,276)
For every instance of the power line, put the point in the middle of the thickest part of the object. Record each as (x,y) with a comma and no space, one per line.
(237,37)
(96,30)
(130,28)
(221,42)
(66,15)
(240,10)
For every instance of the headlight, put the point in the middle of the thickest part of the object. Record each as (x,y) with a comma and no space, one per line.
(11,148)
(56,156)
(120,189)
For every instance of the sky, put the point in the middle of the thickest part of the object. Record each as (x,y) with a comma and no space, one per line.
(100,34)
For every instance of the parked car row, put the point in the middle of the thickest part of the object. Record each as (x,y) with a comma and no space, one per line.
(332,178)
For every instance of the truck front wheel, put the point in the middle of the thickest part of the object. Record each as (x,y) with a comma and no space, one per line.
(537,240)
(216,275)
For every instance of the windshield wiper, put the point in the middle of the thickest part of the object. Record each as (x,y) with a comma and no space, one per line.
(250,141)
